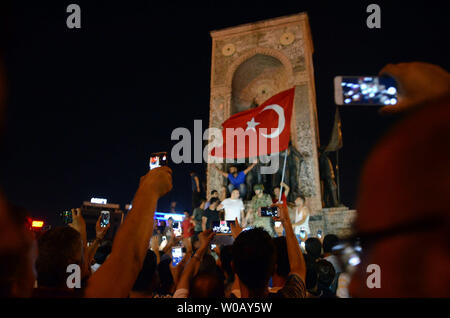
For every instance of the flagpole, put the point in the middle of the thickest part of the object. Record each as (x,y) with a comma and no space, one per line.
(282,176)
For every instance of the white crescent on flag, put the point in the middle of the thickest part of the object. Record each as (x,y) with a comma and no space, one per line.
(280,112)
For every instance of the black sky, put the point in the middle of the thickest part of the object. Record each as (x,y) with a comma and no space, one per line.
(86,107)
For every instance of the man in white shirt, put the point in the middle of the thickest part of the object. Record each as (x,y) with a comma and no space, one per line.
(233,206)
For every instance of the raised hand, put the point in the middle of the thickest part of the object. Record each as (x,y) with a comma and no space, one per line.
(158,181)
(418,83)
(205,238)
(283,213)
(100,231)
(79,224)
(236,229)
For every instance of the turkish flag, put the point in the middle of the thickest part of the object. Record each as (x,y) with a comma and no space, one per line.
(259,131)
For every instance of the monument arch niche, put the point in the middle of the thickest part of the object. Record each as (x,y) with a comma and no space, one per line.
(255,80)
(253,62)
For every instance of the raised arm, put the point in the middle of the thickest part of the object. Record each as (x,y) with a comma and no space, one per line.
(197,183)
(189,270)
(250,168)
(116,276)
(305,214)
(220,171)
(204,219)
(286,189)
(296,260)
(100,233)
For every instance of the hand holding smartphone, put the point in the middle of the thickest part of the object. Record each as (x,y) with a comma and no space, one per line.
(271,211)
(177,255)
(365,90)
(158,159)
(105,217)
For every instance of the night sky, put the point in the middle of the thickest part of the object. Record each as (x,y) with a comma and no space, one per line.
(87,106)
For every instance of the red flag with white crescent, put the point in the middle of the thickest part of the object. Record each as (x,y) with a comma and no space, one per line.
(259,131)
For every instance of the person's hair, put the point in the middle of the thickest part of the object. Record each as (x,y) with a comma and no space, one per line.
(165,277)
(58,248)
(254,257)
(311,274)
(201,201)
(283,266)
(213,200)
(325,273)
(146,277)
(313,247)
(208,264)
(102,252)
(214,191)
(170,219)
(329,241)
(235,189)
(301,196)
(232,166)
(207,285)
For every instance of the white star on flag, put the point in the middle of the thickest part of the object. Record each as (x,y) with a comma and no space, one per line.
(252,124)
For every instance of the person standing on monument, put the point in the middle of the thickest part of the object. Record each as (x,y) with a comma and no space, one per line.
(301,222)
(233,206)
(236,179)
(259,200)
(196,190)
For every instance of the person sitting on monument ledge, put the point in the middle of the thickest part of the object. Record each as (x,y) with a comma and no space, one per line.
(301,221)
(254,218)
(276,194)
(214,194)
(236,179)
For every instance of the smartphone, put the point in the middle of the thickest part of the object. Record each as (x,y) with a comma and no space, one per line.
(277,224)
(365,90)
(319,233)
(177,255)
(302,234)
(221,227)
(177,230)
(158,159)
(104,221)
(213,246)
(67,217)
(269,211)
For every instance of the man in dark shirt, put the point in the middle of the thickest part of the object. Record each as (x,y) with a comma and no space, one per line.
(236,179)
(211,214)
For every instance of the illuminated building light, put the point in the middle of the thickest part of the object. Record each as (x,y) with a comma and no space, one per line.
(37,224)
(99,201)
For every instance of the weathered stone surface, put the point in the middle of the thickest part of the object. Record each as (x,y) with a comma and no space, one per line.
(337,221)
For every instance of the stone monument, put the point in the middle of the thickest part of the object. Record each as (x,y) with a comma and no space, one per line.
(252,62)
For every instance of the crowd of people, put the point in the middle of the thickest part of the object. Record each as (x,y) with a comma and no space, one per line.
(397,220)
